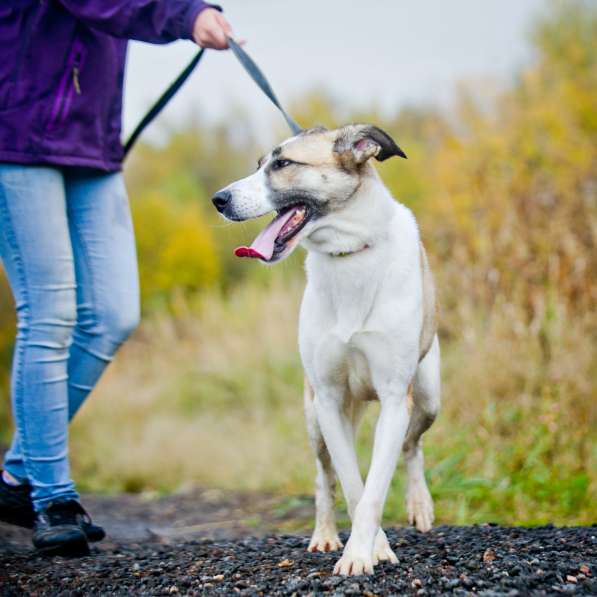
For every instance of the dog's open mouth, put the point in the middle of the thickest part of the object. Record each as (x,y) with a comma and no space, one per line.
(276,239)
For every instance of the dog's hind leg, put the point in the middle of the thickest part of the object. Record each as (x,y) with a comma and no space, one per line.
(325,536)
(426,402)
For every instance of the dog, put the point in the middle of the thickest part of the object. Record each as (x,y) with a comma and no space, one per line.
(368,322)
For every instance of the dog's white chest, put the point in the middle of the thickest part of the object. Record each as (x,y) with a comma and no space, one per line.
(340,329)
(361,315)
(352,297)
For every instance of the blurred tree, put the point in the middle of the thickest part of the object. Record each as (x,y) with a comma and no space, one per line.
(513,197)
(176,248)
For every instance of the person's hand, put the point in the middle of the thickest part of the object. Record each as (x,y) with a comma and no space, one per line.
(211,28)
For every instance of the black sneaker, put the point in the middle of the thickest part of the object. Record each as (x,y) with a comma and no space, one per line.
(16,508)
(57,529)
(93,532)
(15,504)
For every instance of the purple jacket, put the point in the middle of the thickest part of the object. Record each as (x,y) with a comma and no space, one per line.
(62,70)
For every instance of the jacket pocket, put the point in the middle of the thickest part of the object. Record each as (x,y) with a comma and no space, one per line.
(68,88)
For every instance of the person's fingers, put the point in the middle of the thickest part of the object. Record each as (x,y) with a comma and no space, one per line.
(218,38)
(213,37)
(224,24)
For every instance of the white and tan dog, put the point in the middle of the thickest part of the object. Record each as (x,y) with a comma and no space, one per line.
(367,323)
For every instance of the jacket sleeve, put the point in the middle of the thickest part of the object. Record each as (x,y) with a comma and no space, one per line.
(154,21)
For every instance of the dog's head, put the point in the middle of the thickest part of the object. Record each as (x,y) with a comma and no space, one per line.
(304,179)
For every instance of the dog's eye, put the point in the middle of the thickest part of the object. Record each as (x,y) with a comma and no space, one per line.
(279,164)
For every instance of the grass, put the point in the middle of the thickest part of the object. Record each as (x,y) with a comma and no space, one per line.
(214,397)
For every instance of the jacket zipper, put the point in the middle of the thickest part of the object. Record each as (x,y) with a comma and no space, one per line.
(69,85)
(76,84)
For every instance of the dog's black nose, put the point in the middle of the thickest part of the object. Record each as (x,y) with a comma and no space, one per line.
(221,200)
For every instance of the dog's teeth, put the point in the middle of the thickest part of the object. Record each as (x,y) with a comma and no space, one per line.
(298,216)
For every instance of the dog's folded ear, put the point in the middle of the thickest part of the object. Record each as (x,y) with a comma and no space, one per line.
(356,143)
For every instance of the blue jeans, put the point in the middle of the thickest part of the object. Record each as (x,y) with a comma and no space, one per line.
(67,244)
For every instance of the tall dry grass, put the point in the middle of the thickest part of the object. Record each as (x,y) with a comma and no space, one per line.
(215,397)
(211,396)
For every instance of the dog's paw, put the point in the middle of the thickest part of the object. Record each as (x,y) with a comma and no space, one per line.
(325,539)
(419,507)
(382,552)
(354,562)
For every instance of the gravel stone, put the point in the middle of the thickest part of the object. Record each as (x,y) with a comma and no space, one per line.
(528,561)
(192,544)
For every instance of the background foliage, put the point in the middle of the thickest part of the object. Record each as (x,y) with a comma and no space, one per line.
(504,187)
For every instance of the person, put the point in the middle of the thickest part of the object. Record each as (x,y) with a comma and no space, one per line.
(66,238)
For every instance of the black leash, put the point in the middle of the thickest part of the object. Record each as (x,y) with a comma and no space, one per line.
(248,64)
(162,101)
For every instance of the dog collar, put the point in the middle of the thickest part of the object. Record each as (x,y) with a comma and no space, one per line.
(347,253)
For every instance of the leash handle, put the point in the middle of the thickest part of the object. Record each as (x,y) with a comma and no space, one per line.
(160,104)
(259,78)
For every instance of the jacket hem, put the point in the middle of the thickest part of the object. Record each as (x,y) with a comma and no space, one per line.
(16,157)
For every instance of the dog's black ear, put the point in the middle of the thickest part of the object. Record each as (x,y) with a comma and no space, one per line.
(357,143)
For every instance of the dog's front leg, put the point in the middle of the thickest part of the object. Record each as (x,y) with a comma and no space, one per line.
(365,537)
(338,434)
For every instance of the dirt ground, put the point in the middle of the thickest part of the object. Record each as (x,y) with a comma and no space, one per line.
(210,542)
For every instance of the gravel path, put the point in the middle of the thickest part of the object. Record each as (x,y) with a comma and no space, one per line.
(485,560)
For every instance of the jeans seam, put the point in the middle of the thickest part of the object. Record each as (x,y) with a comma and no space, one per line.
(18,382)
(85,255)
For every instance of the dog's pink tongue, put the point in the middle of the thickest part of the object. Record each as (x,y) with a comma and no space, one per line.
(263,246)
